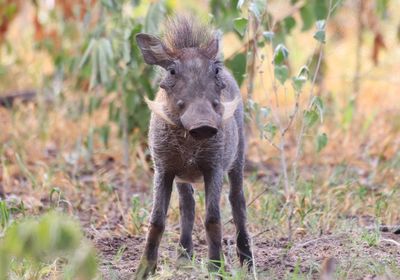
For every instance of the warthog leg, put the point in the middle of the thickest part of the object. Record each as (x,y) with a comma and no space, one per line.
(187,212)
(162,195)
(213,180)
(238,203)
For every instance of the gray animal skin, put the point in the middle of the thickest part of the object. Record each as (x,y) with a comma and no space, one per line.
(196,133)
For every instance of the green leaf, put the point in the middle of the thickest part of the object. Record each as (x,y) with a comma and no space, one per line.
(321,24)
(322,141)
(257,8)
(281,53)
(304,72)
(298,83)
(281,73)
(264,111)
(301,78)
(240,4)
(270,129)
(154,17)
(85,56)
(381,7)
(268,36)
(252,104)
(260,115)
(94,68)
(103,64)
(348,113)
(109,4)
(307,17)
(289,23)
(4,215)
(321,9)
(106,45)
(310,118)
(10,10)
(52,236)
(318,104)
(320,34)
(94,103)
(126,52)
(237,65)
(104,133)
(240,25)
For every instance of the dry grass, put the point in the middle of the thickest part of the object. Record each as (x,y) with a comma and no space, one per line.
(342,194)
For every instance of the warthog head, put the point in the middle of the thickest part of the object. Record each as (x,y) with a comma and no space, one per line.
(193,83)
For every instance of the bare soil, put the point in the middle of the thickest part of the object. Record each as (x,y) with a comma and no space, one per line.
(275,259)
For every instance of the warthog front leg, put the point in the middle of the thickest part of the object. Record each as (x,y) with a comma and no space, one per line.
(213,180)
(162,195)
(238,203)
(187,213)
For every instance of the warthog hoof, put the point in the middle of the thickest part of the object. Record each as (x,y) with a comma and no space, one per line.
(144,269)
(183,261)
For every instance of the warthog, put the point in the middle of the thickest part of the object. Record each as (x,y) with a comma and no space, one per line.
(196,133)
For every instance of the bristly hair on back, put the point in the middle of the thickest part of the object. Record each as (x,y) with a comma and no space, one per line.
(186,31)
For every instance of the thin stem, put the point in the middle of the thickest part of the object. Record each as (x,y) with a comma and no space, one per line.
(125,141)
(310,100)
(252,51)
(360,29)
(292,116)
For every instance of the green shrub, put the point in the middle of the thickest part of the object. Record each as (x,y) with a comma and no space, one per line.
(53,238)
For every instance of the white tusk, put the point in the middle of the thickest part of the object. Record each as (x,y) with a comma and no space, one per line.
(158,109)
(230,108)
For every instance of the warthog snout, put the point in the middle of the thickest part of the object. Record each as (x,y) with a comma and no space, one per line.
(202,131)
(201,120)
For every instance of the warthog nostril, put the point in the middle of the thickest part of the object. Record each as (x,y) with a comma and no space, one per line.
(203,132)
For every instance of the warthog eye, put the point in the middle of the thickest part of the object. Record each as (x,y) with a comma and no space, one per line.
(170,80)
(215,103)
(172,69)
(217,67)
(180,104)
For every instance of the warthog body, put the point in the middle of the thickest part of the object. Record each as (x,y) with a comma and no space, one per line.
(196,134)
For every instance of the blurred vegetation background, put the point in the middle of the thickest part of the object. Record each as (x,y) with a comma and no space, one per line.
(320,83)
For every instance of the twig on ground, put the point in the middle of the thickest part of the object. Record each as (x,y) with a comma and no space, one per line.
(305,244)
(383,228)
(261,232)
(390,241)
(254,260)
(7,100)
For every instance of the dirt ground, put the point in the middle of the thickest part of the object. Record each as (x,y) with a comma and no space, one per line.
(350,251)
(274,258)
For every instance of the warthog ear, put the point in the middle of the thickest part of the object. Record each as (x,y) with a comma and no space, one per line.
(230,108)
(158,109)
(153,50)
(212,49)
